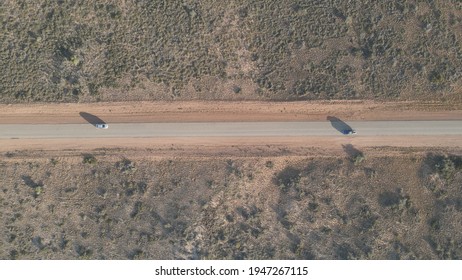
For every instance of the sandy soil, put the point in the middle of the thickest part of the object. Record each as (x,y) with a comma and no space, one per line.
(219,146)
(395,203)
(195,111)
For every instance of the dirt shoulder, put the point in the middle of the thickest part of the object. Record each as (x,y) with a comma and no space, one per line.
(205,111)
(212,147)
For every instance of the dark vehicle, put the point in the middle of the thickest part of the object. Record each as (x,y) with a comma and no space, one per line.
(348,131)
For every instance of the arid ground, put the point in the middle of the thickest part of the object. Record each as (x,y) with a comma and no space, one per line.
(273,203)
(116,50)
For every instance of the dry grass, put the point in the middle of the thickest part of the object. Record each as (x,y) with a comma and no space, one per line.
(272,50)
(401,204)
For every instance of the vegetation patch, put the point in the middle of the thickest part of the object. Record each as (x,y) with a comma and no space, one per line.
(279,50)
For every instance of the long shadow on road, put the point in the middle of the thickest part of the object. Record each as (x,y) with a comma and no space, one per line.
(339,125)
(92,119)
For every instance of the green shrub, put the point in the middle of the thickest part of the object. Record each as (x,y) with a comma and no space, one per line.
(89,158)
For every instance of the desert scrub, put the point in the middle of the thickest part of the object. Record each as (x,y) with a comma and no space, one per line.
(287,178)
(89,159)
(126,166)
(36,186)
(290,49)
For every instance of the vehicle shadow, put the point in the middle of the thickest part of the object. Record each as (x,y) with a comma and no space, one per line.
(339,125)
(92,119)
(351,151)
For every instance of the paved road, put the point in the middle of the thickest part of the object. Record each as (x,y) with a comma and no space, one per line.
(242,129)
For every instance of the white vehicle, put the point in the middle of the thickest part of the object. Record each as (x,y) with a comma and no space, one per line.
(102,125)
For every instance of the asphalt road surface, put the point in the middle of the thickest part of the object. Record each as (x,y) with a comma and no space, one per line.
(232,129)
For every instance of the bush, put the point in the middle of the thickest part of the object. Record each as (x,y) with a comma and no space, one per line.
(126,166)
(447,169)
(357,159)
(387,199)
(287,178)
(89,158)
